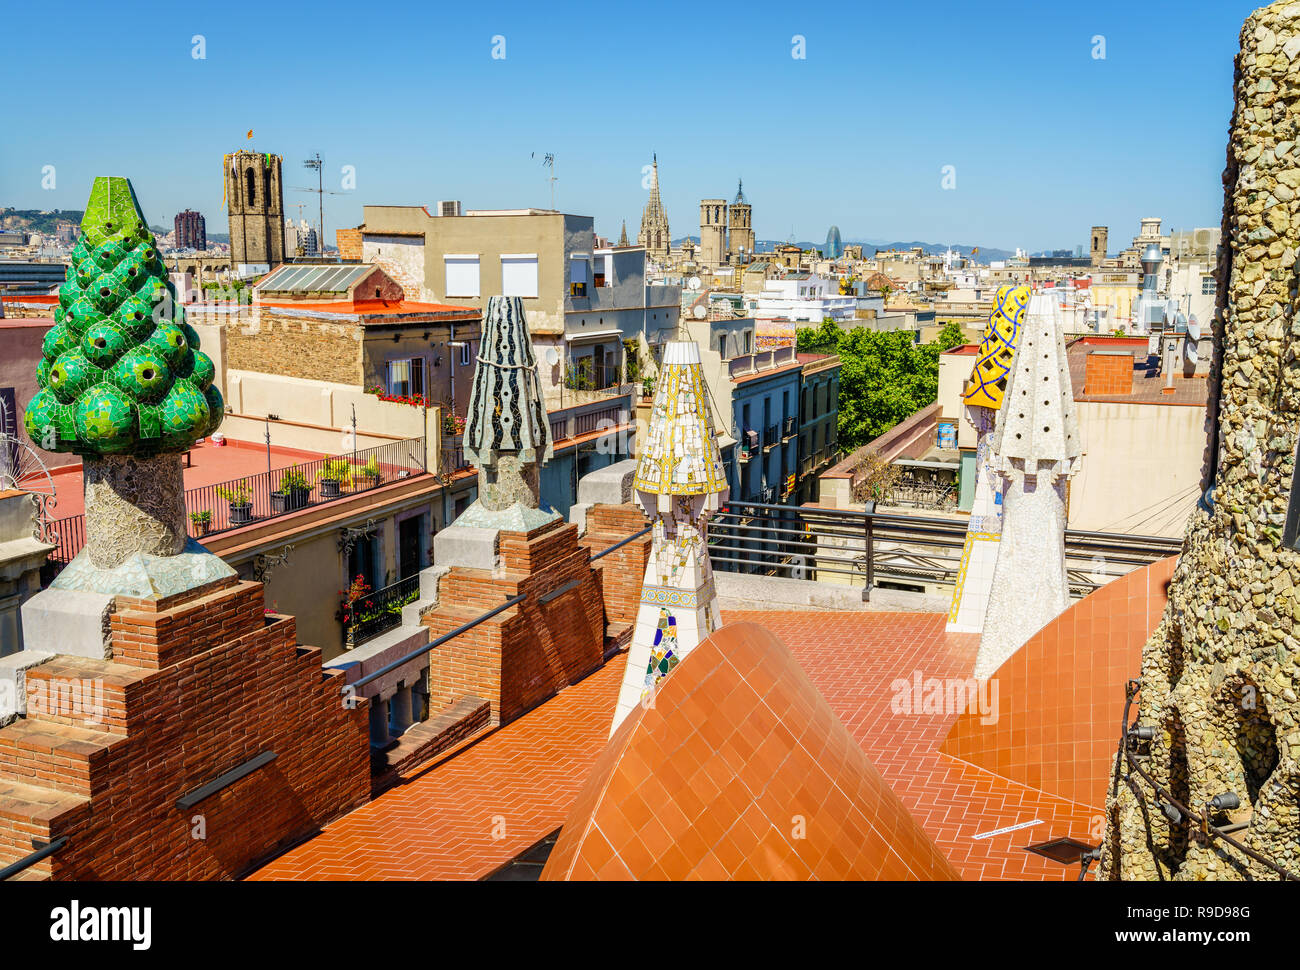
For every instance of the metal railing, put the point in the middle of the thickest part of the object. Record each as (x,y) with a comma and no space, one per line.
(866,548)
(371,614)
(771,435)
(45,851)
(233,504)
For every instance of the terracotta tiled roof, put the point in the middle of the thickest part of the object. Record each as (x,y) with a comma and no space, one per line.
(705,783)
(1148,383)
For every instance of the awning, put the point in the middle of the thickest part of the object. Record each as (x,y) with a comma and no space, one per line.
(592,335)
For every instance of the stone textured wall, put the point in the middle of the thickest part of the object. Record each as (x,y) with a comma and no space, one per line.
(1220,674)
(133,505)
(197,685)
(293,346)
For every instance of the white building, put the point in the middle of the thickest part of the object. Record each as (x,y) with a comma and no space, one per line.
(801,297)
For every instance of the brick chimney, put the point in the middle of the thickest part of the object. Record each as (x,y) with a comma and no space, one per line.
(1109,372)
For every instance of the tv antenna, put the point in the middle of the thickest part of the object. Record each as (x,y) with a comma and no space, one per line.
(548,161)
(319,165)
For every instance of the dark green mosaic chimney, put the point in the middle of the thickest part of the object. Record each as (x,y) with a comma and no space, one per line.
(121,372)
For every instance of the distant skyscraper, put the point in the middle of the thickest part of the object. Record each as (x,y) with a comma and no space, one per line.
(654,235)
(191,231)
(834,245)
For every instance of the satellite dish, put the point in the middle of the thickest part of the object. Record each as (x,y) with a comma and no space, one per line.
(695,283)
(700,313)
(552,356)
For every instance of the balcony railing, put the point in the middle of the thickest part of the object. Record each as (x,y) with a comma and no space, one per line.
(861,548)
(771,436)
(788,429)
(585,376)
(370,614)
(233,504)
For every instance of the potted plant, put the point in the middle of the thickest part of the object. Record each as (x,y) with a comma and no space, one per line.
(292,494)
(368,471)
(240,496)
(202,521)
(334,473)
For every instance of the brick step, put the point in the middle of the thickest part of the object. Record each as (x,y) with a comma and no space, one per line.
(30,812)
(71,690)
(59,756)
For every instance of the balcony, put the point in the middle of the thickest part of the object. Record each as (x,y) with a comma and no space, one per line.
(584,375)
(789,428)
(771,436)
(748,444)
(369,614)
(240,502)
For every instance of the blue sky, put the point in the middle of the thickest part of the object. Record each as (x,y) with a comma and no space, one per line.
(1045,139)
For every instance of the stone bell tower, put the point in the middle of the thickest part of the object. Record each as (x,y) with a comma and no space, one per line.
(254,196)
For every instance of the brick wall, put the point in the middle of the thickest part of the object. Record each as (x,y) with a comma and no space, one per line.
(194,690)
(622,572)
(349,243)
(1108,372)
(280,343)
(528,653)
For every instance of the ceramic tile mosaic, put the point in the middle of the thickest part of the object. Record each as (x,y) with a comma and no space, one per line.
(121,371)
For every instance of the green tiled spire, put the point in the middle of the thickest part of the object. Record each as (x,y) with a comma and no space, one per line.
(122,373)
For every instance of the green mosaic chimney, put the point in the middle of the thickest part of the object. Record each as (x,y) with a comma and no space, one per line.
(121,372)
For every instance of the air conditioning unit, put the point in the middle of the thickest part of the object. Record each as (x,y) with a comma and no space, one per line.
(449,208)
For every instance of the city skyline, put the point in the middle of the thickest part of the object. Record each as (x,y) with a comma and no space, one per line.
(1030,131)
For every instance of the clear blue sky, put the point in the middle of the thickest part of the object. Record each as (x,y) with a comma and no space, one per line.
(1046,140)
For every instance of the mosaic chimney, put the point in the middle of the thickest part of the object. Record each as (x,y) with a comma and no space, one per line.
(1036,448)
(983,397)
(679,482)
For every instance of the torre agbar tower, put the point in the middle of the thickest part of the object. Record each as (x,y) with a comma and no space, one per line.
(679,482)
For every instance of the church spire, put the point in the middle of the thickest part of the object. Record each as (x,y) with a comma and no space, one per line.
(654,234)
(622,236)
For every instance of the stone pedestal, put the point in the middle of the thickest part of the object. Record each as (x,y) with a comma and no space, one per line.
(509,481)
(1029,587)
(133,505)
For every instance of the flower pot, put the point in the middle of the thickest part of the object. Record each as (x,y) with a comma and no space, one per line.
(290,501)
(241,513)
(370,480)
(329,488)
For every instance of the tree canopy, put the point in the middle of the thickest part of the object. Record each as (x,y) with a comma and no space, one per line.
(885,376)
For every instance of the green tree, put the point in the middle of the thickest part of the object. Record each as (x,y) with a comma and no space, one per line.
(884,377)
(121,371)
(950,336)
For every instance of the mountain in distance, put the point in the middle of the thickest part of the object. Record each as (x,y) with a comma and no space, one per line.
(869,246)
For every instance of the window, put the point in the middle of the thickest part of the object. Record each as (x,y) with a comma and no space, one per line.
(405,376)
(1207,286)
(519,274)
(465,354)
(577,276)
(461,274)
(251,181)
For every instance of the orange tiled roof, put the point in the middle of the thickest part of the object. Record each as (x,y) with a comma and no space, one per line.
(711,782)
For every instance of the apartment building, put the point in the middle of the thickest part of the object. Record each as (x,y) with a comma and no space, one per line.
(581,302)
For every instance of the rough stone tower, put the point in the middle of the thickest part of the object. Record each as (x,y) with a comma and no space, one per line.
(713,232)
(742,225)
(654,234)
(1217,727)
(255,202)
(1098,248)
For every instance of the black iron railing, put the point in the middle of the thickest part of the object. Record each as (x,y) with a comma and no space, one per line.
(370,614)
(233,504)
(788,427)
(772,435)
(861,548)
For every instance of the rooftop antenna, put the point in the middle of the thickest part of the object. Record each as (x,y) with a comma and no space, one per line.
(548,161)
(319,165)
